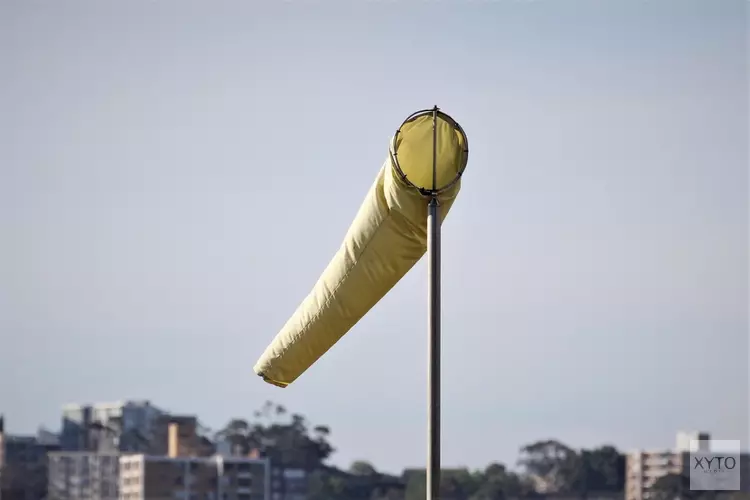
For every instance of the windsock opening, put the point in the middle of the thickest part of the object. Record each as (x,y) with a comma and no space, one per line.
(387,237)
(412,151)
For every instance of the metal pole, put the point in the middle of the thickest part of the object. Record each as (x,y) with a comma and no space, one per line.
(433,370)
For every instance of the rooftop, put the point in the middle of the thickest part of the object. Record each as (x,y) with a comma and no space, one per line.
(105,405)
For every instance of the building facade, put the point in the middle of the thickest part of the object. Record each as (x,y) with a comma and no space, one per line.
(83,475)
(179,468)
(125,426)
(144,477)
(643,468)
(179,435)
(288,484)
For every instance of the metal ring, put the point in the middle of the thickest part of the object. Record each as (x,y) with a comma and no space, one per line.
(394,153)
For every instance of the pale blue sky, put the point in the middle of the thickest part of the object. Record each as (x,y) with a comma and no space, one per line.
(174,176)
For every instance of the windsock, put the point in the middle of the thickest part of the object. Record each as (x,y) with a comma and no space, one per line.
(388,236)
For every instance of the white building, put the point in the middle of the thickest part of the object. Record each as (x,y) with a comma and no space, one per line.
(645,467)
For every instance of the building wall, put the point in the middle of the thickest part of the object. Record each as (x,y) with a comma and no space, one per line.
(288,484)
(144,477)
(182,433)
(130,426)
(644,469)
(76,420)
(131,473)
(83,476)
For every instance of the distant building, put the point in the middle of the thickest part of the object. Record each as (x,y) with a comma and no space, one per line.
(180,468)
(76,420)
(286,483)
(182,431)
(645,467)
(23,464)
(108,427)
(684,438)
(217,478)
(83,475)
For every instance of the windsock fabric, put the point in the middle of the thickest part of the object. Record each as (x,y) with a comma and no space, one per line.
(388,236)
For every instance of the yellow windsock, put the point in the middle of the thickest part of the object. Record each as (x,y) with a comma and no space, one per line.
(388,236)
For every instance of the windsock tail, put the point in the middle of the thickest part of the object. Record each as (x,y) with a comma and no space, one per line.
(388,236)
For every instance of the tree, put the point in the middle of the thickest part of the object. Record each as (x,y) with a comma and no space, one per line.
(497,483)
(602,469)
(285,439)
(557,468)
(238,433)
(330,483)
(415,485)
(671,487)
(677,487)
(553,466)
(455,484)
(362,468)
(325,485)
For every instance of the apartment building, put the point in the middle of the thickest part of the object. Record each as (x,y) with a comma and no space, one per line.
(645,467)
(83,475)
(182,471)
(108,427)
(287,483)
(144,477)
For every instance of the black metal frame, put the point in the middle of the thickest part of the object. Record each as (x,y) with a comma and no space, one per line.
(435,112)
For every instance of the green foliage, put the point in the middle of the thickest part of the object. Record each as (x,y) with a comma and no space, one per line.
(494,483)
(497,482)
(557,468)
(286,439)
(677,486)
(329,483)
(362,468)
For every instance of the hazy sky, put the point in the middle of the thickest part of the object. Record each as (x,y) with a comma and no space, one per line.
(175,175)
